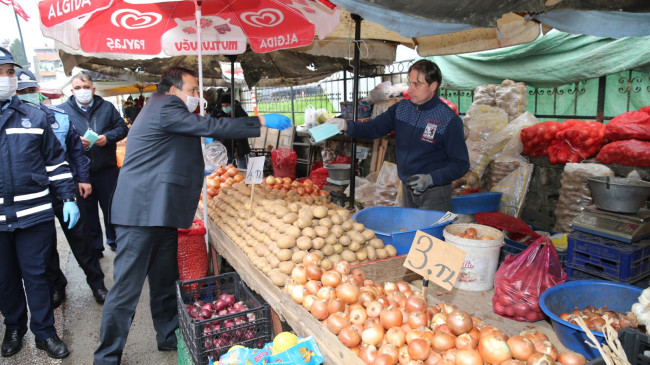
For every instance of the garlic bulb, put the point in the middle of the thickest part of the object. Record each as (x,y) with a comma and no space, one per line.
(642,309)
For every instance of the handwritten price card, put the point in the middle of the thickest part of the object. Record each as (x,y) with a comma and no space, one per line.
(435,260)
(254,172)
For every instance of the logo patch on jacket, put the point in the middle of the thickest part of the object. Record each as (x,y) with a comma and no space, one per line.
(55,125)
(26,123)
(429,132)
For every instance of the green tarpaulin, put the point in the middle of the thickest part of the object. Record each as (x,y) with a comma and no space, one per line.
(552,60)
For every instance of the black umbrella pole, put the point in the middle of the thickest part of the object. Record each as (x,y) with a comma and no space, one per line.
(232,58)
(355,102)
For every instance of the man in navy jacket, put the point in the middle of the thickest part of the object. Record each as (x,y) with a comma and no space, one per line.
(88,111)
(32,162)
(429,140)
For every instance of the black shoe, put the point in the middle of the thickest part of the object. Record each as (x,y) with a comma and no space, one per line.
(100,253)
(54,346)
(100,295)
(167,348)
(57,298)
(13,341)
(113,247)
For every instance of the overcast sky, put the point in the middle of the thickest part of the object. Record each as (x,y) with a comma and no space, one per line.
(32,36)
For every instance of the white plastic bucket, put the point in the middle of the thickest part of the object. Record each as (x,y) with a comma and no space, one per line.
(482,256)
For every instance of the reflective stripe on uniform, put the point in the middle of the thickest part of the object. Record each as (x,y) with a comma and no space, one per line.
(3,218)
(24,131)
(40,208)
(19,198)
(52,168)
(61,177)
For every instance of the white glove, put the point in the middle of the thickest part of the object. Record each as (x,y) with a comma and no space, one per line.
(340,123)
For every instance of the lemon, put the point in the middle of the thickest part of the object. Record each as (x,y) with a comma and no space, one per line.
(283,341)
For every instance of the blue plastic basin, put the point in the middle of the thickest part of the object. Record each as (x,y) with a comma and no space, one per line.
(397,226)
(565,297)
(476,203)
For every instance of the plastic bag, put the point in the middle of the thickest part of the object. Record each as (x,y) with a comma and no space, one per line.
(514,188)
(630,125)
(512,97)
(485,95)
(630,152)
(381,92)
(310,117)
(483,122)
(522,278)
(192,254)
(215,155)
(387,192)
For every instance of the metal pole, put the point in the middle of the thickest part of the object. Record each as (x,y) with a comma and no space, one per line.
(232,59)
(355,101)
(22,43)
(600,107)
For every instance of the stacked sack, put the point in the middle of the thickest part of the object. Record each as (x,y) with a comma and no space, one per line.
(570,141)
(629,134)
(574,192)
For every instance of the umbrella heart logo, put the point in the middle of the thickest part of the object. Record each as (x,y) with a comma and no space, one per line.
(264,18)
(133,19)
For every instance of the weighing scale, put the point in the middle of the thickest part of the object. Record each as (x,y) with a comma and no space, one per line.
(338,182)
(617,226)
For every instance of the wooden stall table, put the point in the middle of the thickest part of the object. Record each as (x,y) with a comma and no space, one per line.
(283,308)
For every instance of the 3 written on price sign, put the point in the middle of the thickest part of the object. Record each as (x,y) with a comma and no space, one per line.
(435,260)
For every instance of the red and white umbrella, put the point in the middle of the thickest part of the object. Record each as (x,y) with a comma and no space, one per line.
(169,27)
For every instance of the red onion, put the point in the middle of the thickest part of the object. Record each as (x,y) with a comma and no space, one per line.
(206,313)
(219,305)
(228,298)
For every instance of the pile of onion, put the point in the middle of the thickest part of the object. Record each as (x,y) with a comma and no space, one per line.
(595,318)
(390,324)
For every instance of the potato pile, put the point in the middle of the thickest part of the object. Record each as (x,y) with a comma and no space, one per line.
(282,229)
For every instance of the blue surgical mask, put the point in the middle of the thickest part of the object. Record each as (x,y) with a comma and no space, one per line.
(33,98)
(226,109)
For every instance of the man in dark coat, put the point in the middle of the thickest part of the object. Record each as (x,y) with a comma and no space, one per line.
(88,111)
(157,192)
(239,148)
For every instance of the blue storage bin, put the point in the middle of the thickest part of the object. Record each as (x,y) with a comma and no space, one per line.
(609,259)
(476,203)
(563,298)
(397,226)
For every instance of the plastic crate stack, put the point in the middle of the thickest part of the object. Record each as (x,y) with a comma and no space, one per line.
(595,257)
(210,338)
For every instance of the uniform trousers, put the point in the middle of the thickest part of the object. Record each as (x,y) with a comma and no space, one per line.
(82,248)
(433,198)
(103,182)
(24,254)
(141,252)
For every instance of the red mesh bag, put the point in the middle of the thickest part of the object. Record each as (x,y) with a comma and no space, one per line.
(522,278)
(192,253)
(319,177)
(284,162)
(342,159)
(630,152)
(630,125)
(451,104)
(536,138)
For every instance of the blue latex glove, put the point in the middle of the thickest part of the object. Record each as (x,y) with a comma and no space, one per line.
(70,213)
(419,183)
(277,121)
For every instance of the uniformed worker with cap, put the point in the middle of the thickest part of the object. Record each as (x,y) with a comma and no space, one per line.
(78,237)
(31,161)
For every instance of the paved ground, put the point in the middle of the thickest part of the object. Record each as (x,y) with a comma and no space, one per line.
(78,321)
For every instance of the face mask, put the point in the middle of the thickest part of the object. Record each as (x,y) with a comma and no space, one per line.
(84,96)
(8,87)
(33,98)
(193,102)
(227,109)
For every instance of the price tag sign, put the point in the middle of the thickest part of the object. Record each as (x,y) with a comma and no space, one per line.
(435,260)
(254,171)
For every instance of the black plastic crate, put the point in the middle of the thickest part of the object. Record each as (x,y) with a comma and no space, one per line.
(636,346)
(202,338)
(576,274)
(609,259)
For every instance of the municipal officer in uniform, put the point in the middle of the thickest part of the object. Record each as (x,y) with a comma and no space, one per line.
(78,237)
(31,162)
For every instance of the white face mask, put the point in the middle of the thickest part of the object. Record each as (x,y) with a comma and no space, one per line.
(8,87)
(33,98)
(192,102)
(84,96)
